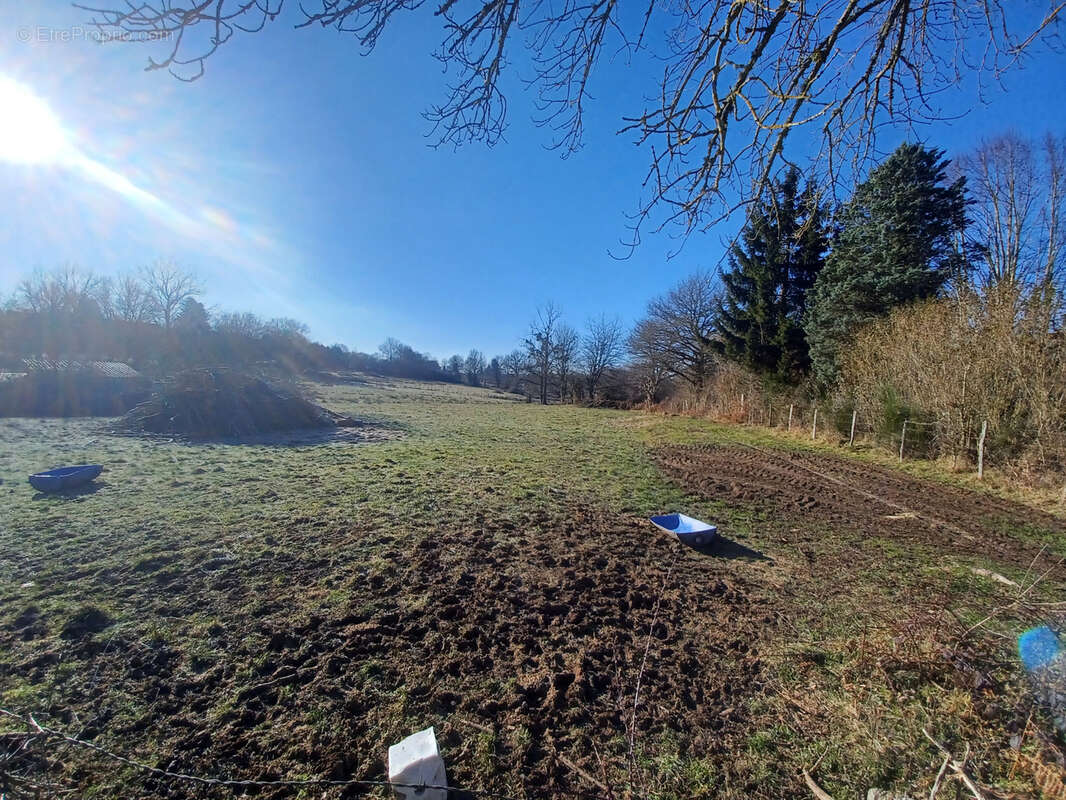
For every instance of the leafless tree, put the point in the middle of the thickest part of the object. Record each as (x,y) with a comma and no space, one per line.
(515,365)
(286,327)
(130,300)
(243,324)
(678,332)
(739,76)
(391,348)
(1051,214)
(601,349)
(540,346)
(67,289)
(567,344)
(168,286)
(650,375)
(104,295)
(1018,189)
(474,366)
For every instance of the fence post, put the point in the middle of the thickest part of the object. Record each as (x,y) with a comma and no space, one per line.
(851,439)
(981,450)
(769,415)
(814,427)
(790,416)
(902,440)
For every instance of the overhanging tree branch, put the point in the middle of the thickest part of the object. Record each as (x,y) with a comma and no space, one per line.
(739,77)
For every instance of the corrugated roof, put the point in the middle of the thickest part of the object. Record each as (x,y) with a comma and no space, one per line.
(108,369)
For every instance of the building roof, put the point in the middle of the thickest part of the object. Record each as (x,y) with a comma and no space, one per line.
(106,369)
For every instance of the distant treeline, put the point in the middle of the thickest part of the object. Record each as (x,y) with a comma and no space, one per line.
(153,321)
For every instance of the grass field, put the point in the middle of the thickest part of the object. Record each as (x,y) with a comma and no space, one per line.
(285,611)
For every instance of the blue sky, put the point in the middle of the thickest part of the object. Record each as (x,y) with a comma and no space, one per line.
(295,178)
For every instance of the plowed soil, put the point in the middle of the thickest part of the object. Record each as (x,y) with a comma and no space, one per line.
(863,500)
(532,641)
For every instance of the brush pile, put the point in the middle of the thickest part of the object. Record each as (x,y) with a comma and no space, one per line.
(218,403)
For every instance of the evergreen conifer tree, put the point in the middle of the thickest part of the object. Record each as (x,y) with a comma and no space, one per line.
(896,243)
(771,270)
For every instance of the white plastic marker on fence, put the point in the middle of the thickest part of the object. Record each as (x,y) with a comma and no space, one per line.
(902,439)
(981,450)
(416,762)
(790,417)
(851,439)
(814,427)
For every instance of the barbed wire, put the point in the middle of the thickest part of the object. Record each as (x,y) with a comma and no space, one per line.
(39,730)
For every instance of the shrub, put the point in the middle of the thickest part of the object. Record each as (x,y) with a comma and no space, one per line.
(954,363)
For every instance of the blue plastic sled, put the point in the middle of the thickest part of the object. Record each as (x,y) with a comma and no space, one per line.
(688,529)
(64,478)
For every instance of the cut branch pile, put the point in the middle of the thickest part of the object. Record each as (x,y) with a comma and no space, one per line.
(209,403)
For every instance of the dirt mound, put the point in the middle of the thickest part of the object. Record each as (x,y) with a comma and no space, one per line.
(210,403)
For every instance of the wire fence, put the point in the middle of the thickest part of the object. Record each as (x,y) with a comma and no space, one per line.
(970,442)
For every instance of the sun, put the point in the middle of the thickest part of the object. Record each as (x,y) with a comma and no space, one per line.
(29,133)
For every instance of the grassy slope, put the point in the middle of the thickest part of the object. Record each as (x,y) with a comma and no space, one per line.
(166,513)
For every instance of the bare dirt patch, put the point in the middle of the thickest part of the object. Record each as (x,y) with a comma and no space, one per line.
(863,499)
(521,640)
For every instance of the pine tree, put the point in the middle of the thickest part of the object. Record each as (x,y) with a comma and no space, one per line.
(782,250)
(896,243)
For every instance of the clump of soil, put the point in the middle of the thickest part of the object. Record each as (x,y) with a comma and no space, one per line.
(212,403)
(86,621)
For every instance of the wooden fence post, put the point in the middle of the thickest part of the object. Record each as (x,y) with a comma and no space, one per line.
(814,427)
(790,416)
(851,439)
(902,440)
(981,450)
(769,415)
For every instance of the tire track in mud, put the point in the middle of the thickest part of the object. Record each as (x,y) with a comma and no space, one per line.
(855,496)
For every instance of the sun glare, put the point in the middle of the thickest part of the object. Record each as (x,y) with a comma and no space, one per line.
(30,133)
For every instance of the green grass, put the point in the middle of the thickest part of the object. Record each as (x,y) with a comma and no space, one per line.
(181,544)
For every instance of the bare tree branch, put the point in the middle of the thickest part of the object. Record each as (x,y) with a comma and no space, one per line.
(739,76)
